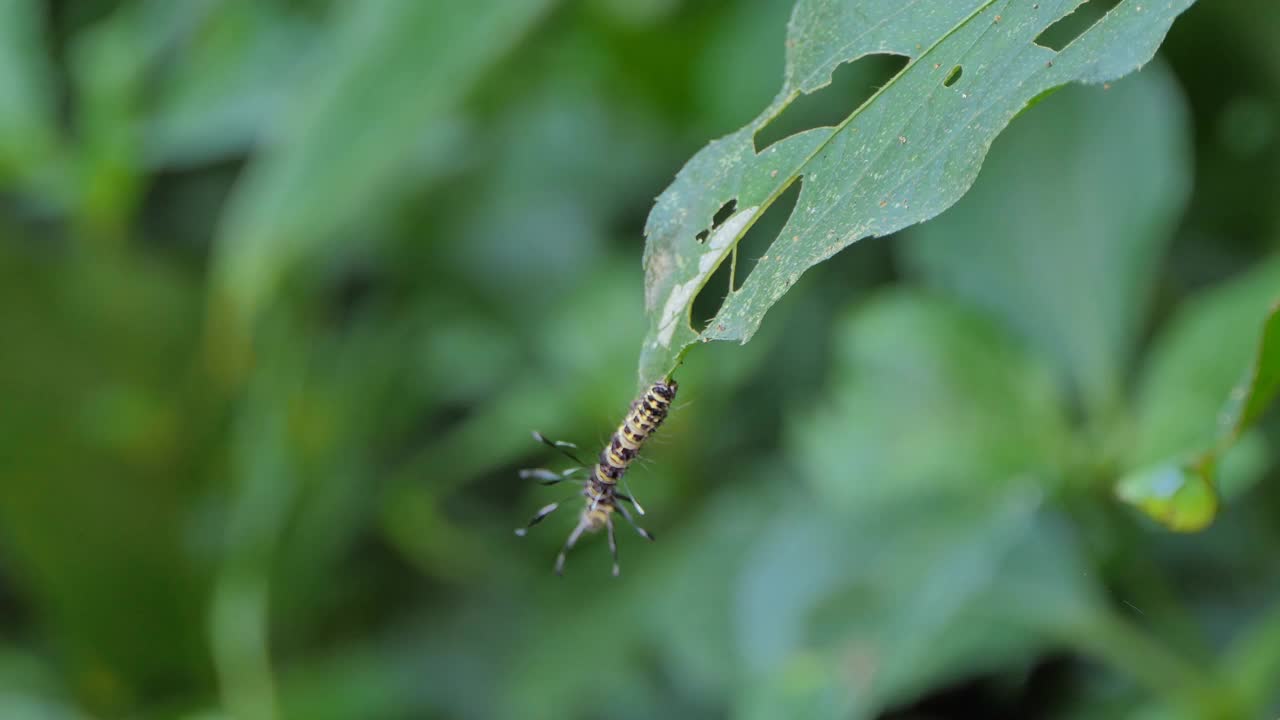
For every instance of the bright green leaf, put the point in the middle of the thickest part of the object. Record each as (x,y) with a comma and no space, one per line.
(1062,235)
(1190,420)
(1179,496)
(904,156)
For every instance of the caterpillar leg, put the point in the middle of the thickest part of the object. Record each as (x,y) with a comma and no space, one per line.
(626,514)
(560,446)
(613,548)
(543,476)
(631,500)
(537,518)
(568,545)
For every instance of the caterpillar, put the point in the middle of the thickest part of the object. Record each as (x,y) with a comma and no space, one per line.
(600,487)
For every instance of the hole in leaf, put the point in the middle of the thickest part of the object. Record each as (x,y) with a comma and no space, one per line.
(851,84)
(717,220)
(756,243)
(711,296)
(1071,26)
(752,246)
(953,76)
(723,214)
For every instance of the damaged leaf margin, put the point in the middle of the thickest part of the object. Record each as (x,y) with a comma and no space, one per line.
(908,153)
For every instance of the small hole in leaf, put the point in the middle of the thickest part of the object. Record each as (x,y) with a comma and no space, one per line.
(851,84)
(758,242)
(717,220)
(1074,24)
(953,76)
(723,214)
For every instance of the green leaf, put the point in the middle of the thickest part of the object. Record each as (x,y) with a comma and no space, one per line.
(929,455)
(1193,426)
(844,613)
(212,98)
(1180,496)
(30,688)
(926,456)
(908,153)
(112,64)
(398,70)
(28,115)
(1197,360)
(1062,235)
(929,395)
(1250,400)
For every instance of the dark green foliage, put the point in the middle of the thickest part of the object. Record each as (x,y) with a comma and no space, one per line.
(285,285)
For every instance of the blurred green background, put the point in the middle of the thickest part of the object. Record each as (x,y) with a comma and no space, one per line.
(285,285)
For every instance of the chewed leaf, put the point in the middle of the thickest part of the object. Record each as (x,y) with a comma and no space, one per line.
(905,155)
(1180,497)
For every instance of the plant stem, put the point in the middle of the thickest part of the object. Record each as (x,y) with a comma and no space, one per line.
(1118,643)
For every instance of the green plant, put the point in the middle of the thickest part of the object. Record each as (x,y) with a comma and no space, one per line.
(284,286)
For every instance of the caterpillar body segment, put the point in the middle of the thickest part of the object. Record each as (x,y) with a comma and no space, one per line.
(600,488)
(646,414)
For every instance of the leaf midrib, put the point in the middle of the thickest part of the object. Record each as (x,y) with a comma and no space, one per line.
(791,178)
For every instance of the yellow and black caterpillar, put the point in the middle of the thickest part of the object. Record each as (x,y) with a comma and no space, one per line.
(600,488)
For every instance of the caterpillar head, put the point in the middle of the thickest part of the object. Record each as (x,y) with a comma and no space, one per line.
(665,389)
